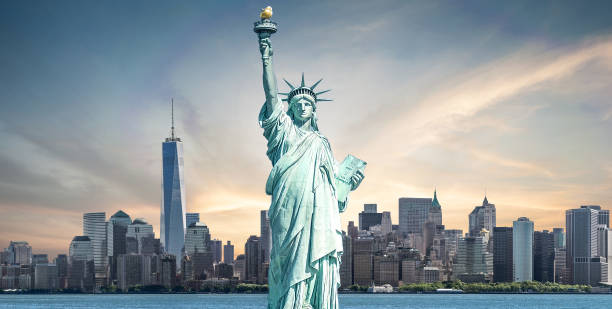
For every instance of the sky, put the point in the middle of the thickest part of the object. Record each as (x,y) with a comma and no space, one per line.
(466,97)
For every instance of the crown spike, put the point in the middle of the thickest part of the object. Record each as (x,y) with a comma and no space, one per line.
(285,100)
(303,85)
(289,84)
(324,91)
(315,84)
(323,100)
(284,93)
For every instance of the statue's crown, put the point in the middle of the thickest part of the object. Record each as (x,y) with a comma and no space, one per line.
(303,89)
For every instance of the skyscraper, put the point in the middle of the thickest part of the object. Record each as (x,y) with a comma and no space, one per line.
(265,237)
(228,253)
(216,246)
(482,217)
(192,217)
(172,225)
(116,230)
(584,266)
(413,212)
(253,259)
(19,252)
(502,254)
(197,239)
(543,256)
(522,249)
(473,262)
(559,236)
(81,267)
(94,227)
(140,237)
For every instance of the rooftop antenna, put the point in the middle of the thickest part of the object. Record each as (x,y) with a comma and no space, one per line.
(172,119)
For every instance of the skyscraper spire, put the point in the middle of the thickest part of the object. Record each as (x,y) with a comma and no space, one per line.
(172,119)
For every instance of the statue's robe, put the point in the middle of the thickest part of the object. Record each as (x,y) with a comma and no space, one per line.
(304,216)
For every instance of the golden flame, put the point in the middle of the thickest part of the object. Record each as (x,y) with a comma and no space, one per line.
(266,12)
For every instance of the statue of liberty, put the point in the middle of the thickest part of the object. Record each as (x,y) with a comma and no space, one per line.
(306,187)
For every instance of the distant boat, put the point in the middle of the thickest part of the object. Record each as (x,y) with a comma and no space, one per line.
(449,291)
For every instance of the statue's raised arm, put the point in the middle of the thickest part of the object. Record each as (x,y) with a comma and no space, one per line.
(269,78)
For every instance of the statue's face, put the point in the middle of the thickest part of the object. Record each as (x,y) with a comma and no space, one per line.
(302,106)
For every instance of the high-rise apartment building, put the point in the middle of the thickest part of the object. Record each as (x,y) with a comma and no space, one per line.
(583,263)
(265,236)
(94,227)
(192,217)
(482,217)
(543,256)
(228,253)
(502,254)
(522,249)
(173,222)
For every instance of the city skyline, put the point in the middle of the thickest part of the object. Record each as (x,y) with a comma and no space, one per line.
(510,98)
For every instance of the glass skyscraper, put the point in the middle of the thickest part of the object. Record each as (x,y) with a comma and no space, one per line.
(522,249)
(172,225)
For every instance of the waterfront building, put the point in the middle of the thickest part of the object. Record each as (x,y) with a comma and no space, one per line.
(94,227)
(129,270)
(197,239)
(192,217)
(386,269)
(409,269)
(363,251)
(431,274)
(253,259)
(543,256)
(502,254)
(482,217)
(81,266)
(168,271)
(473,262)
(240,267)
(560,266)
(61,262)
(522,249)
(559,237)
(173,222)
(346,267)
(19,252)
(265,236)
(223,270)
(216,246)
(228,253)
(584,264)
(45,275)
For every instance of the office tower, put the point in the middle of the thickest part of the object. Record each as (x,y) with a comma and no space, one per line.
(346,267)
(363,252)
(413,212)
(192,217)
(608,252)
(560,266)
(522,249)
(81,266)
(583,264)
(61,261)
(482,217)
(559,237)
(45,276)
(473,262)
(168,271)
(253,259)
(140,238)
(543,256)
(173,222)
(116,243)
(20,252)
(197,239)
(240,267)
(129,270)
(5,257)
(603,215)
(94,227)
(386,269)
(223,270)
(431,274)
(216,246)
(435,212)
(352,230)
(502,254)
(370,208)
(116,230)
(452,238)
(265,237)
(228,253)
(40,259)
